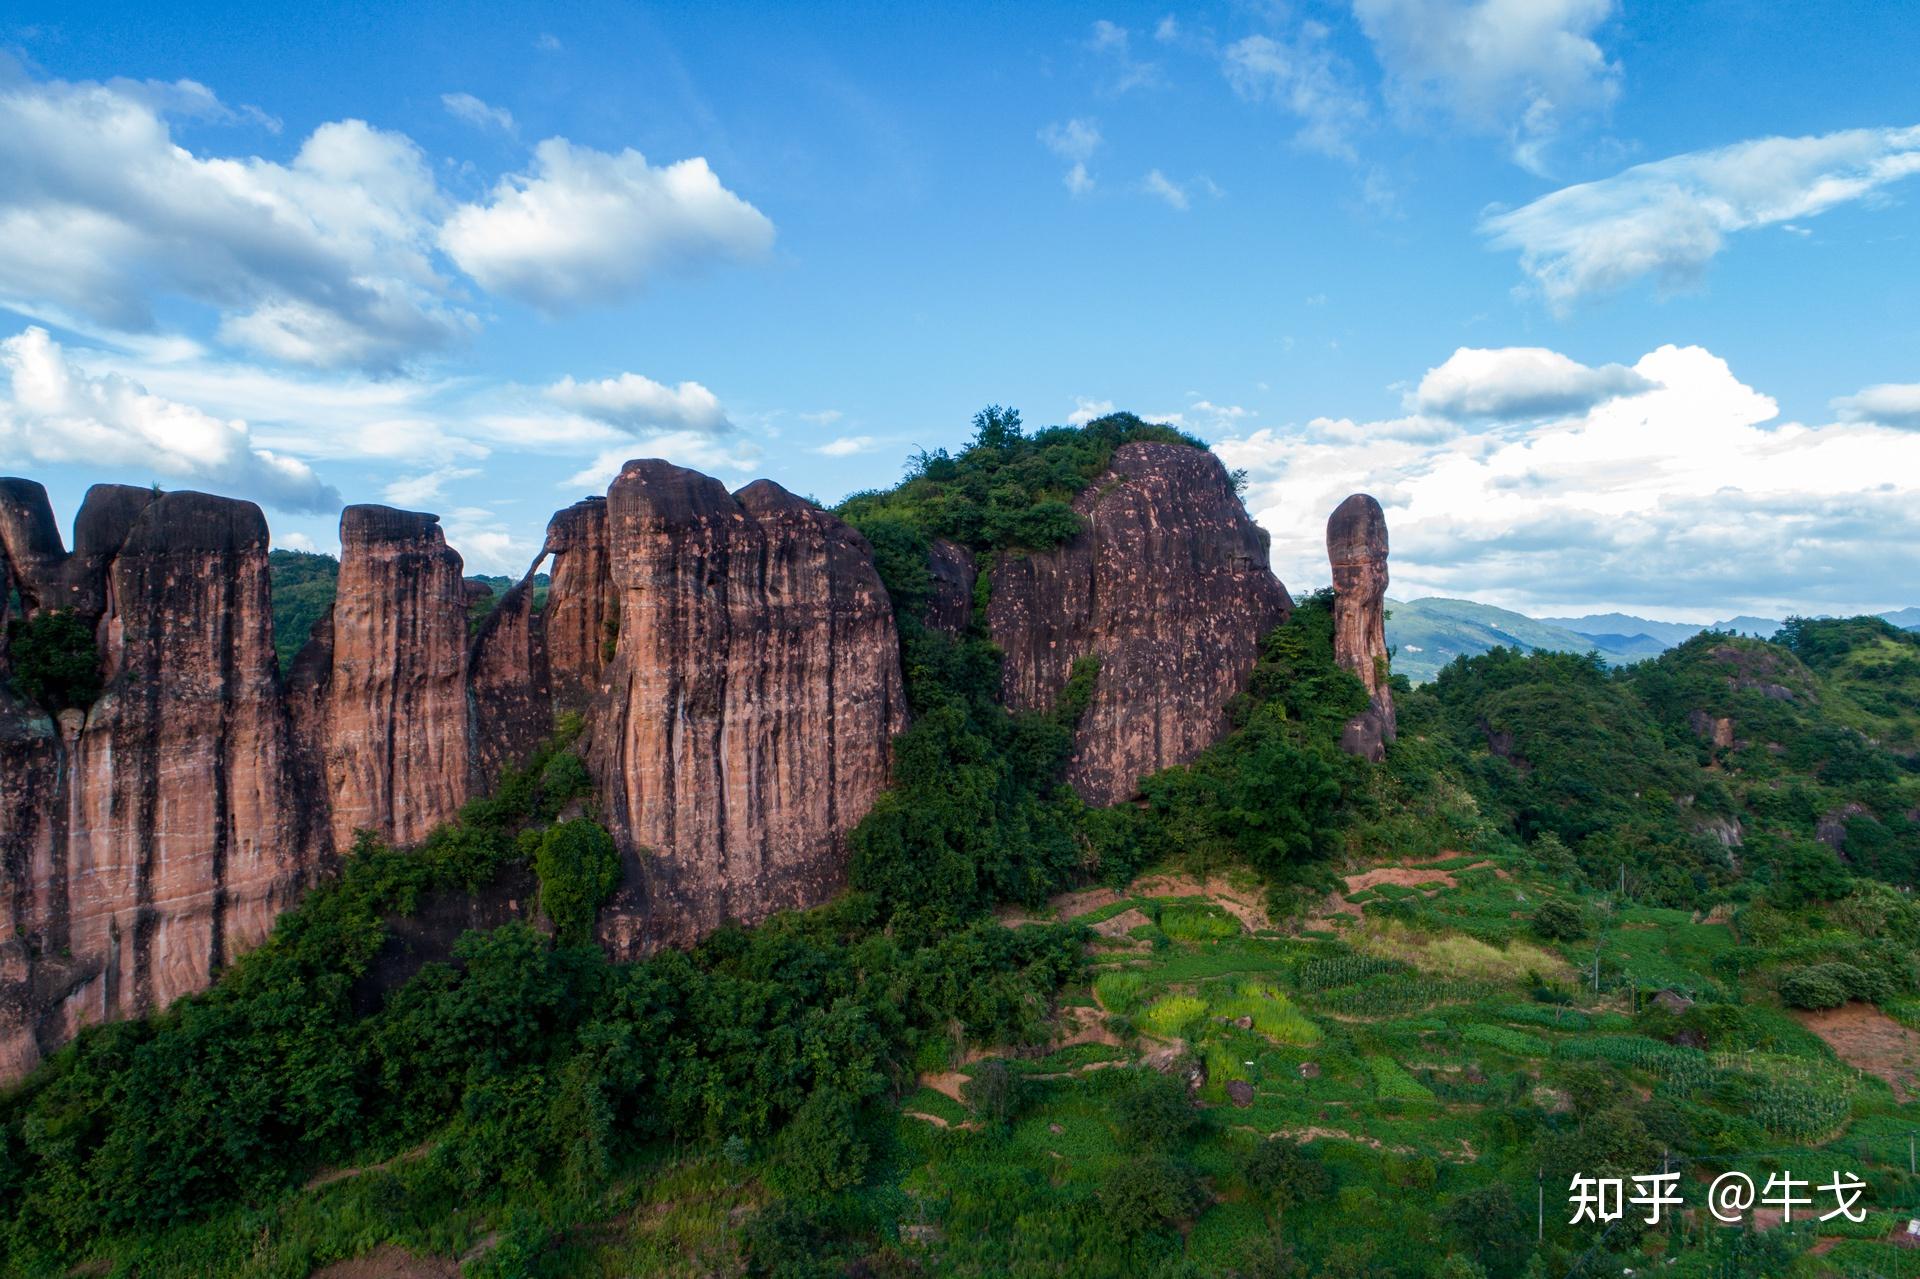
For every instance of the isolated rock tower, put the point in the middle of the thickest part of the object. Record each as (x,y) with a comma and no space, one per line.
(1357,547)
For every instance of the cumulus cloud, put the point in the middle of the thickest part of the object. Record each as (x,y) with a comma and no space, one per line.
(1890,404)
(1086,410)
(588,227)
(324,261)
(422,489)
(483,540)
(1304,77)
(1686,495)
(1074,141)
(57,412)
(683,448)
(1519,382)
(1524,68)
(637,404)
(1669,218)
(465,107)
(1158,185)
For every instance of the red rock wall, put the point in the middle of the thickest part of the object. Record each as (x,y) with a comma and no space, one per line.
(580,616)
(1169,586)
(750,704)
(1357,551)
(395,735)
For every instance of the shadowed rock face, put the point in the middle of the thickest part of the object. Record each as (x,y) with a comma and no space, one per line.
(507,679)
(950,608)
(148,839)
(1169,586)
(749,704)
(396,724)
(1357,548)
(580,612)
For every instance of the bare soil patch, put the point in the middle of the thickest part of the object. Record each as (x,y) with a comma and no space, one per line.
(1243,905)
(1866,1038)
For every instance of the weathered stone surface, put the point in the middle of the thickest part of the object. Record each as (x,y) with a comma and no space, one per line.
(581,616)
(35,554)
(1169,586)
(950,608)
(1357,549)
(396,702)
(151,837)
(512,703)
(750,703)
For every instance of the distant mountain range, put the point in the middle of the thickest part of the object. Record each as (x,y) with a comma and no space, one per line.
(1426,634)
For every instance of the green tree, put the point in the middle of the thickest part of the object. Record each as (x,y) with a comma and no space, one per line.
(578,868)
(55,660)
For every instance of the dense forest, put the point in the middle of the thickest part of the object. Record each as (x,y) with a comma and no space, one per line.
(1579,921)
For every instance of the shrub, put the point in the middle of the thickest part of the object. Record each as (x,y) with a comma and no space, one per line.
(1558,920)
(578,868)
(820,1151)
(1816,986)
(1153,1111)
(1286,1174)
(1148,1192)
(55,660)
(994,1092)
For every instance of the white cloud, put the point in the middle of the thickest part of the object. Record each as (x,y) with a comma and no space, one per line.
(1304,77)
(1688,494)
(684,448)
(635,403)
(1523,68)
(1517,382)
(846,446)
(1668,219)
(323,261)
(1115,44)
(588,227)
(295,541)
(1086,410)
(1889,404)
(1158,185)
(825,417)
(59,413)
(420,490)
(1074,141)
(1167,31)
(466,107)
(483,541)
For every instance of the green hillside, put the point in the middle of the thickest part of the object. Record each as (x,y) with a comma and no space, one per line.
(1426,634)
(1291,1014)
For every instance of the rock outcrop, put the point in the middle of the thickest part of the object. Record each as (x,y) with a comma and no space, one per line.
(750,701)
(396,700)
(952,570)
(508,682)
(1167,585)
(581,618)
(1357,548)
(153,835)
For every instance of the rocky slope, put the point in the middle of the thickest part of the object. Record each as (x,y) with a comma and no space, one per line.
(1168,586)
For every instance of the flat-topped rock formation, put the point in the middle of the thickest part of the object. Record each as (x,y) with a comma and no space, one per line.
(749,706)
(1169,586)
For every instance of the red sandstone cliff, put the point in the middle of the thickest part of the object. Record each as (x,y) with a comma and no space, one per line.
(581,615)
(1168,585)
(1357,548)
(750,702)
(149,837)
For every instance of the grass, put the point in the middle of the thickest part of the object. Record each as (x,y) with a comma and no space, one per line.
(1198,923)
(1457,956)
(1174,1016)
(1273,1014)
(1119,990)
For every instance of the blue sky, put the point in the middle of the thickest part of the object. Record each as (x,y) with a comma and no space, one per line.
(1613,305)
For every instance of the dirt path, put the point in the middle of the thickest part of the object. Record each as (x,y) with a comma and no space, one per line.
(1243,904)
(1866,1038)
(332,1175)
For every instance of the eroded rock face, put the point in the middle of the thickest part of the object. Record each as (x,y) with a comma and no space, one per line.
(507,679)
(396,701)
(149,838)
(580,617)
(749,706)
(1169,586)
(950,608)
(1357,549)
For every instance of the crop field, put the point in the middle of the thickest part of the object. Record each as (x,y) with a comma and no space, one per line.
(1442,1071)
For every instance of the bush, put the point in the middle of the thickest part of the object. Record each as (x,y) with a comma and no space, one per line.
(994,1092)
(1558,920)
(1153,1112)
(1817,986)
(578,868)
(1286,1174)
(1149,1192)
(55,660)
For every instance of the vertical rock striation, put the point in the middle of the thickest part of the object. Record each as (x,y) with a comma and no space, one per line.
(950,607)
(1168,585)
(749,704)
(396,699)
(1357,547)
(507,679)
(580,615)
(153,835)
